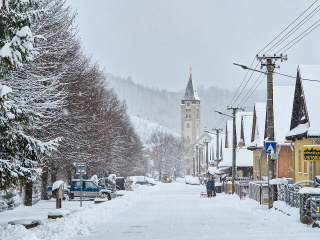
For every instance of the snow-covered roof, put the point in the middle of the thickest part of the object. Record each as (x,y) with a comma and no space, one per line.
(282,107)
(310,92)
(259,127)
(245,128)
(244,158)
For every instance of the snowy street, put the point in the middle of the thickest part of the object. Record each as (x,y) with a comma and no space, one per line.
(165,211)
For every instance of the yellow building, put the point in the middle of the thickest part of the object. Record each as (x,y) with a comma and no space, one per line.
(305,120)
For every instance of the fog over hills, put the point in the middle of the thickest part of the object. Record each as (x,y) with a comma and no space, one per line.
(163,107)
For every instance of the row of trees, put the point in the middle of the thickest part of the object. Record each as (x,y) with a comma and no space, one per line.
(166,152)
(70,113)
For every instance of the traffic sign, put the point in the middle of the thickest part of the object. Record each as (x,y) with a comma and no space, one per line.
(271,147)
(81,168)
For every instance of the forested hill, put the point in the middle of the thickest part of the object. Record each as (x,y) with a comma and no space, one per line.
(163,107)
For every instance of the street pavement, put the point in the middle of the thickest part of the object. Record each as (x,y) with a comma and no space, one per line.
(176,211)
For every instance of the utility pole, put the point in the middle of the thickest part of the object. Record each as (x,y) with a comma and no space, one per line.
(197,161)
(268,61)
(218,150)
(234,145)
(206,141)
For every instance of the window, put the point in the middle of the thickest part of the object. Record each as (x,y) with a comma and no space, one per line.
(188,125)
(305,168)
(90,185)
(299,161)
(188,137)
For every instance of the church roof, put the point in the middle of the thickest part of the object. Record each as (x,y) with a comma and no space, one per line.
(191,92)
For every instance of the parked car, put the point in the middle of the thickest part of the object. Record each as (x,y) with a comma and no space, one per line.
(121,183)
(150,181)
(89,189)
(106,182)
(142,180)
(194,181)
(187,179)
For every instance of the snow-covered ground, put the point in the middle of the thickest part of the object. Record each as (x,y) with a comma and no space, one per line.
(165,211)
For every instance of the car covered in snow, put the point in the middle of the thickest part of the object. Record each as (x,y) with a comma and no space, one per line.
(151,181)
(194,181)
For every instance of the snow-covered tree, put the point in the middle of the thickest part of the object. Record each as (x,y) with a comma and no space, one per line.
(20,153)
(16,38)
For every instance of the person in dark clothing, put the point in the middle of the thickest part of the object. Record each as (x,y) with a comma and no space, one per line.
(210,187)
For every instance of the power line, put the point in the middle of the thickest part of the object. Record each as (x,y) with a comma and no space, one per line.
(293,30)
(301,37)
(245,97)
(288,26)
(303,79)
(245,84)
(242,82)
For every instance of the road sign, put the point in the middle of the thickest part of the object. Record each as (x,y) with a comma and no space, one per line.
(81,168)
(311,152)
(271,147)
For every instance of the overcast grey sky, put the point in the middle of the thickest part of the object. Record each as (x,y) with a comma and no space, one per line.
(156,41)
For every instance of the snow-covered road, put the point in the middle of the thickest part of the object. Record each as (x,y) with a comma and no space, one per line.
(176,211)
(166,211)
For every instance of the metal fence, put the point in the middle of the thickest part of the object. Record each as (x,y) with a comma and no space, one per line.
(258,191)
(241,188)
(289,193)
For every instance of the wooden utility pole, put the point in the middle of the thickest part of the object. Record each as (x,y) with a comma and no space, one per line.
(206,141)
(234,145)
(268,61)
(218,150)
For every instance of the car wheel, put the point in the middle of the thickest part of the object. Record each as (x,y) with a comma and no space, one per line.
(105,195)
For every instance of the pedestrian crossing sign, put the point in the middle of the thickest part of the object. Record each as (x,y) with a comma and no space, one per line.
(270,147)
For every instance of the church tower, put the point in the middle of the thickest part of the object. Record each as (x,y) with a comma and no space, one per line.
(190,113)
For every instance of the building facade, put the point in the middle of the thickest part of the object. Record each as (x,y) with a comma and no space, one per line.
(190,123)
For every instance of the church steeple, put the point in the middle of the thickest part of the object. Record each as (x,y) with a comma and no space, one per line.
(191,93)
(190,121)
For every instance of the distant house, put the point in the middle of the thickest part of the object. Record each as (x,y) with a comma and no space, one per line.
(282,107)
(260,167)
(305,124)
(244,162)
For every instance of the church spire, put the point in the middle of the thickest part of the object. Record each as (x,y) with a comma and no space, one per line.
(191,93)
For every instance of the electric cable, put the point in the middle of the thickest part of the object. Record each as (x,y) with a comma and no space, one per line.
(301,37)
(293,30)
(288,26)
